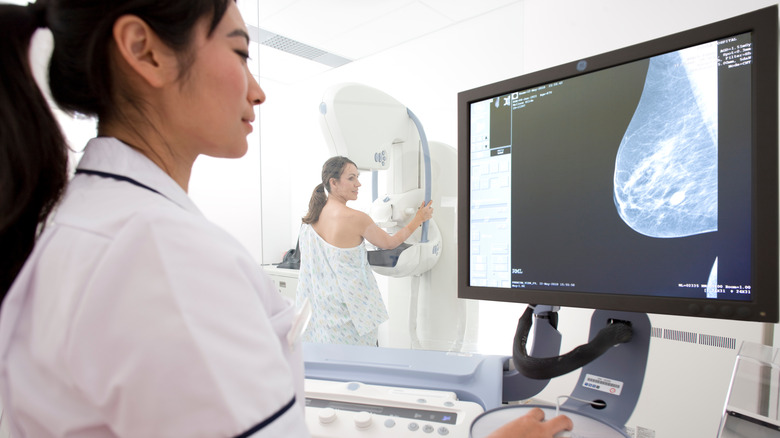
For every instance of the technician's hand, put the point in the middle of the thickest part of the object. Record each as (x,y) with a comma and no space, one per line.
(425,212)
(532,425)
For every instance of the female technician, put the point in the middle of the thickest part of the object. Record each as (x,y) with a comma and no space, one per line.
(125,312)
(133,315)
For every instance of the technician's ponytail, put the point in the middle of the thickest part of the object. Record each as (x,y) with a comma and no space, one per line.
(33,151)
(333,168)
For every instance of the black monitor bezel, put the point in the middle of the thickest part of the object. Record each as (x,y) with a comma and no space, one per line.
(763,307)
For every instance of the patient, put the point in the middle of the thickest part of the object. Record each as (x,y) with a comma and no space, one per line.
(335,276)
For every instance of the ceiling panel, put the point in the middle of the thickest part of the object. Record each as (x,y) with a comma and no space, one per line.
(459,10)
(315,21)
(355,29)
(389,30)
(268,8)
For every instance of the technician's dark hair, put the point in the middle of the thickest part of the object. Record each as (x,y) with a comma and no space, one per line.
(33,150)
(333,168)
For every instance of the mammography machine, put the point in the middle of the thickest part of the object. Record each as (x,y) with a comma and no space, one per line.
(383,136)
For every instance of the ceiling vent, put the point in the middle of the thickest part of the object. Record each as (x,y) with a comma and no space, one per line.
(278,42)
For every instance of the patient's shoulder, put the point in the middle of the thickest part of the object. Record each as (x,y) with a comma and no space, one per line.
(340,214)
(342,227)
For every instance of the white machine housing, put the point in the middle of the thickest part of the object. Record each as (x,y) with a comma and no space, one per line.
(362,123)
(391,212)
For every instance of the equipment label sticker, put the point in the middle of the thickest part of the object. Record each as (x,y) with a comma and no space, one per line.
(603,384)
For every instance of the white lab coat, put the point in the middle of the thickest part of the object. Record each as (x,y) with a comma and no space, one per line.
(136,317)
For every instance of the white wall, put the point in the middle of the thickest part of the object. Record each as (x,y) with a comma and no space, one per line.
(686,384)
(228,191)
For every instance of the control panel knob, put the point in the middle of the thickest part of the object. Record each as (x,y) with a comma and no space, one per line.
(327,415)
(362,420)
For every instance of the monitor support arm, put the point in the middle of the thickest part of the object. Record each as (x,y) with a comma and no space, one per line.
(616,332)
(613,362)
(516,385)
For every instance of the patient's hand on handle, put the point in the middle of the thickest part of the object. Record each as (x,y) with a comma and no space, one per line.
(379,238)
(424,213)
(532,425)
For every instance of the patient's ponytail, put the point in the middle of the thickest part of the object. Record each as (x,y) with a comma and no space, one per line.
(333,168)
(317,201)
(33,151)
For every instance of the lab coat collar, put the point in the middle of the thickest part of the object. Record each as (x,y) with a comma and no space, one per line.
(110,155)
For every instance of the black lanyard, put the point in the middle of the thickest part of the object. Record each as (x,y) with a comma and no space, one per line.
(118,178)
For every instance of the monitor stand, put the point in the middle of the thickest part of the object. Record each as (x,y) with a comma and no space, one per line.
(610,383)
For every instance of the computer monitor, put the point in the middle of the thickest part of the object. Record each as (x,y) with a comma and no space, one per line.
(641,180)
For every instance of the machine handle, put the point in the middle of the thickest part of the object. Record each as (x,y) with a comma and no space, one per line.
(427,163)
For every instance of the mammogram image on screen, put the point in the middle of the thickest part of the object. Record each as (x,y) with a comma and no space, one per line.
(666,170)
(633,179)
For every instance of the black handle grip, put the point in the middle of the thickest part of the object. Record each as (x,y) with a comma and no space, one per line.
(549,367)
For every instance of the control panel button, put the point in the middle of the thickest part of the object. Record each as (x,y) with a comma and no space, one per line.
(389,423)
(427,428)
(362,420)
(443,431)
(327,415)
(413,426)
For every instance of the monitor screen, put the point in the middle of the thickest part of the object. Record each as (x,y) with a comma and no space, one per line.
(643,179)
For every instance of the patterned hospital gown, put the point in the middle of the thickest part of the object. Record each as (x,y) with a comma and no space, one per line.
(347,307)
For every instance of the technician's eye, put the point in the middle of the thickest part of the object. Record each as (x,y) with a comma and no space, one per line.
(243,55)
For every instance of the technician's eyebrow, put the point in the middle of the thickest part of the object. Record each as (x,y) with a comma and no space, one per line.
(239,33)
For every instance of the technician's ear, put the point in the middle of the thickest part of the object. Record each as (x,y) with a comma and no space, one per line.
(143,51)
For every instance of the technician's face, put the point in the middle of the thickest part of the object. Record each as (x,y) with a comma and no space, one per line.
(347,184)
(217,99)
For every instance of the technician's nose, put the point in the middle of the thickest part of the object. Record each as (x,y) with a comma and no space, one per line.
(256,94)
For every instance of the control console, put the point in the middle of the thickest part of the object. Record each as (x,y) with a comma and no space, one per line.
(353,409)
